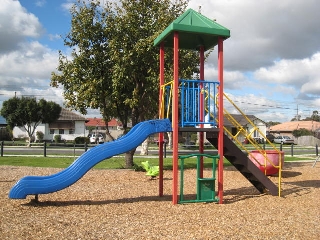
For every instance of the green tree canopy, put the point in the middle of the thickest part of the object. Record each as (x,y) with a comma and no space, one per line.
(301,132)
(29,113)
(114,66)
(314,117)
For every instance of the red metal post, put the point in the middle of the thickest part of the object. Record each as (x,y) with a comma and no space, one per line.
(161,115)
(201,109)
(220,119)
(175,117)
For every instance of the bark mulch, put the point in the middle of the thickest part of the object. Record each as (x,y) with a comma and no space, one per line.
(124,204)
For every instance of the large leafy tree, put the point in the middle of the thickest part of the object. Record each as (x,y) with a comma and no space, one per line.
(114,66)
(28,113)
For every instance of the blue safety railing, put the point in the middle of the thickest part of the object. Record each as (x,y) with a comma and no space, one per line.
(190,92)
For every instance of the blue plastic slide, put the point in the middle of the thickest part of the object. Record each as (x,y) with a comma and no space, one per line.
(33,185)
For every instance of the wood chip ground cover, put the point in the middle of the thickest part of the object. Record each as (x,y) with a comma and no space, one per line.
(124,204)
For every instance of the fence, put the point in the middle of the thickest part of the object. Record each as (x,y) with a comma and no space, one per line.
(45,149)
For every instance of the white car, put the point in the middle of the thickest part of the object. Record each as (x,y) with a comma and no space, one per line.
(96,138)
(283,140)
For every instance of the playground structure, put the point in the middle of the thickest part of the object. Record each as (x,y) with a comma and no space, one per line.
(201,110)
(197,106)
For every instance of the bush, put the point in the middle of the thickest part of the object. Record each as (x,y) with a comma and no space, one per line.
(57,138)
(5,134)
(194,137)
(301,132)
(81,140)
(40,136)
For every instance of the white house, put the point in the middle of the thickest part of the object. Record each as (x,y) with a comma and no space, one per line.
(258,130)
(69,125)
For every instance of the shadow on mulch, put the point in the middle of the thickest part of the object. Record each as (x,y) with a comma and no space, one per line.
(299,188)
(8,180)
(290,174)
(240,194)
(35,203)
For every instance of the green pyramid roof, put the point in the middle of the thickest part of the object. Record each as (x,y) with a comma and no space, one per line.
(194,30)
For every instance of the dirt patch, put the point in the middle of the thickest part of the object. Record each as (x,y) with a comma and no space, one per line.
(123,204)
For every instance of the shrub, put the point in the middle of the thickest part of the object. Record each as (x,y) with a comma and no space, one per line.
(57,138)
(301,132)
(81,140)
(40,136)
(5,134)
(194,137)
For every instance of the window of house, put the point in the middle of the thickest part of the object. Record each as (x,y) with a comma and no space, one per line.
(51,131)
(61,131)
(71,131)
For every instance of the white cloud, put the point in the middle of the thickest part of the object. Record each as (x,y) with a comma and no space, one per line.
(265,30)
(25,64)
(40,3)
(271,60)
(16,24)
(301,74)
(273,52)
(31,59)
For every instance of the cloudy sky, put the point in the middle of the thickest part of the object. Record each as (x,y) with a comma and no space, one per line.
(272,58)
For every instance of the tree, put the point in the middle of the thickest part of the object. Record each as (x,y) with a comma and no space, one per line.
(271,123)
(114,66)
(301,132)
(314,117)
(29,113)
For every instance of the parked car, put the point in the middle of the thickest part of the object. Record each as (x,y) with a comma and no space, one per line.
(258,139)
(283,139)
(270,137)
(96,138)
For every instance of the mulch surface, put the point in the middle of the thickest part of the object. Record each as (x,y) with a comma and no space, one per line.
(124,204)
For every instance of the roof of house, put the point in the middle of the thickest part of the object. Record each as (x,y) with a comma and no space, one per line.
(99,122)
(67,115)
(3,121)
(240,119)
(290,126)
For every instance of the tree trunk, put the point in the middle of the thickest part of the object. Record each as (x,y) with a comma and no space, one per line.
(144,147)
(108,135)
(29,143)
(129,158)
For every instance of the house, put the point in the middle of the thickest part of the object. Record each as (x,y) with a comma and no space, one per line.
(69,125)
(259,129)
(288,127)
(98,125)
(3,122)
(4,134)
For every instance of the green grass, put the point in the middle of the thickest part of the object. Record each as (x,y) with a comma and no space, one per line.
(112,163)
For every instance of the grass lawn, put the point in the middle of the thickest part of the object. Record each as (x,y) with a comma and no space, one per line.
(112,163)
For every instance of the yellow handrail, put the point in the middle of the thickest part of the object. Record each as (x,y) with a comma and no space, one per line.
(241,130)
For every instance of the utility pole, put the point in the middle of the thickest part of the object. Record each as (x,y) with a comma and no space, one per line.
(297,115)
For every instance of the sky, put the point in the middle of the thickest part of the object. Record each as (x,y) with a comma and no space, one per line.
(271,60)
